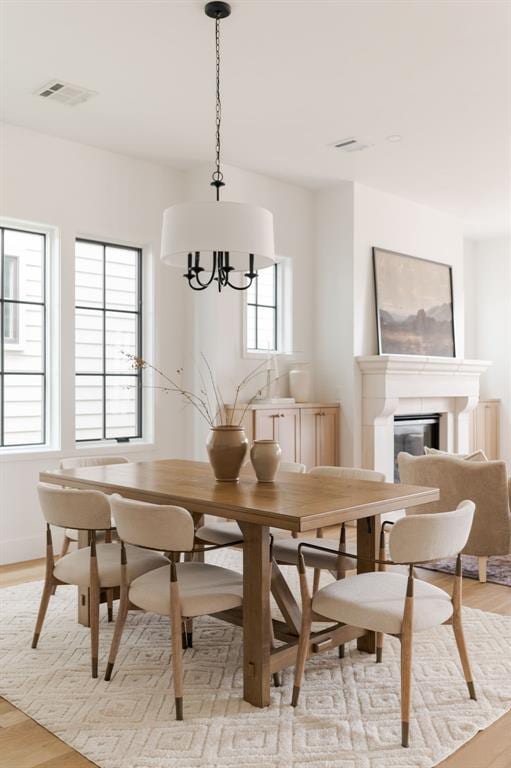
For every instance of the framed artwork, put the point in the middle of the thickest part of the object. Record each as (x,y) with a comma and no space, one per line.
(414,305)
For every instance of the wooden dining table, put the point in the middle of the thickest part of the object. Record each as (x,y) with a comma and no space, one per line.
(294,502)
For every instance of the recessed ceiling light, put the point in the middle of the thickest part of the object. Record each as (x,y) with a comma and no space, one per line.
(394,137)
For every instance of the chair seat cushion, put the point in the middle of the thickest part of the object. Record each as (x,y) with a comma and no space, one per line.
(221,532)
(75,567)
(203,589)
(286,551)
(376,601)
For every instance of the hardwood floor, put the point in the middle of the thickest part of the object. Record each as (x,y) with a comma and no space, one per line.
(25,744)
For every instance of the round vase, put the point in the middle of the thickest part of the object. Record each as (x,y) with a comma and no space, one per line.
(227,447)
(300,385)
(265,456)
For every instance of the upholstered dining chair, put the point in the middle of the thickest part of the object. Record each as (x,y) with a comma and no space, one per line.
(218,531)
(285,551)
(96,567)
(485,482)
(393,603)
(180,590)
(85,461)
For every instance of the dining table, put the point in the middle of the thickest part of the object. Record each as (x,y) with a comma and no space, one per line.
(296,503)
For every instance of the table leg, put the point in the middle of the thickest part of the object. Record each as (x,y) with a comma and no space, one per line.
(83,594)
(368,533)
(256,614)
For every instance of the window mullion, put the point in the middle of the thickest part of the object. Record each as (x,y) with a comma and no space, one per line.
(2,361)
(104,342)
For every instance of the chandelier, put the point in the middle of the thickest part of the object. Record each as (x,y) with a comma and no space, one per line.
(210,239)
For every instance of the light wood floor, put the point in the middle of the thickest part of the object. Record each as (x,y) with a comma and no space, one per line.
(25,744)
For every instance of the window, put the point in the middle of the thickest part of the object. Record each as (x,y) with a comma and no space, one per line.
(263,311)
(23,337)
(108,327)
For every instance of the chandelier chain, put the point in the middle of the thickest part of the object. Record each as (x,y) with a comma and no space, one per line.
(218,175)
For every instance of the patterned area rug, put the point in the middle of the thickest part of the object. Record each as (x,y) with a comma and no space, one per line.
(498,569)
(348,715)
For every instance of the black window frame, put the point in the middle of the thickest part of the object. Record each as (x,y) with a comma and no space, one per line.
(44,332)
(138,372)
(275,307)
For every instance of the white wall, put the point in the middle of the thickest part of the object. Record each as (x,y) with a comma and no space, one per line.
(351,219)
(84,191)
(488,271)
(214,321)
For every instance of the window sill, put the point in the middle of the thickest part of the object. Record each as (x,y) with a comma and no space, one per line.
(259,354)
(44,452)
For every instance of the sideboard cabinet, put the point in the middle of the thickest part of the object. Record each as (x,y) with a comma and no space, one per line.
(485,428)
(307,432)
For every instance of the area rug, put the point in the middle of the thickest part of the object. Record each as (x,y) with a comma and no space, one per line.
(348,715)
(498,569)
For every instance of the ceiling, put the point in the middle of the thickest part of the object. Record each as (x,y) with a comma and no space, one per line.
(297,77)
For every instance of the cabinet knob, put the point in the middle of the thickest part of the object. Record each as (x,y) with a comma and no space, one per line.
(281,415)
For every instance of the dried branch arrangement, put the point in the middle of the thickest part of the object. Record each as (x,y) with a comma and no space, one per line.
(209,402)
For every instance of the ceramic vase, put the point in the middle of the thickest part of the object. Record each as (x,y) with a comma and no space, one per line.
(227,447)
(265,456)
(300,385)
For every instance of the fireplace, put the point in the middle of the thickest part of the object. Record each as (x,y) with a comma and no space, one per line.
(413,433)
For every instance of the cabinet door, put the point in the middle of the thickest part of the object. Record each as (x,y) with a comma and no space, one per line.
(280,424)
(328,437)
(266,424)
(309,436)
(288,431)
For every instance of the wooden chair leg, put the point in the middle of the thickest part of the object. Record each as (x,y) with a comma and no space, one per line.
(482,563)
(176,641)
(189,632)
(462,650)
(49,586)
(110,604)
(276,677)
(64,550)
(94,606)
(303,642)
(457,626)
(406,661)
(48,589)
(122,613)
(379,647)
(315,581)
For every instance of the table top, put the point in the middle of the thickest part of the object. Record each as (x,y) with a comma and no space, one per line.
(294,502)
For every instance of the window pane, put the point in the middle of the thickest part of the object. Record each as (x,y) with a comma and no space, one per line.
(23,265)
(265,328)
(121,406)
(89,274)
(89,407)
(121,278)
(89,341)
(121,339)
(251,327)
(24,350)
(23,409)
(251,292)
(266,286)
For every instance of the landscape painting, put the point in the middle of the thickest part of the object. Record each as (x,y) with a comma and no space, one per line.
(414,305)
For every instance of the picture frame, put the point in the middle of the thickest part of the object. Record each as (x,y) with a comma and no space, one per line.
(414,305)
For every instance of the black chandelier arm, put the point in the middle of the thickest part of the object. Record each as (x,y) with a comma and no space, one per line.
(242,287)
(193,272)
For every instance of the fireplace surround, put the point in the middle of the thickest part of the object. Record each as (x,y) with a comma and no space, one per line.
(396,385)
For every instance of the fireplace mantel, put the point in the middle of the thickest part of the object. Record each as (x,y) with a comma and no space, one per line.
(405,384)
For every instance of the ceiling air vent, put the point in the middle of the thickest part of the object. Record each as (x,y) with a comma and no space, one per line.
(65,93)
(351,145)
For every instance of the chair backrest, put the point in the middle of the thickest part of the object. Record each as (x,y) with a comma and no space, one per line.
(349,473)
(484,482)
(92,461)
(292,466)
(419,538)
(156,526)
(71,508)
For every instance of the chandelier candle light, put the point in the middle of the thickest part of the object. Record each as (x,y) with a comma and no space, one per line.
(211,237)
